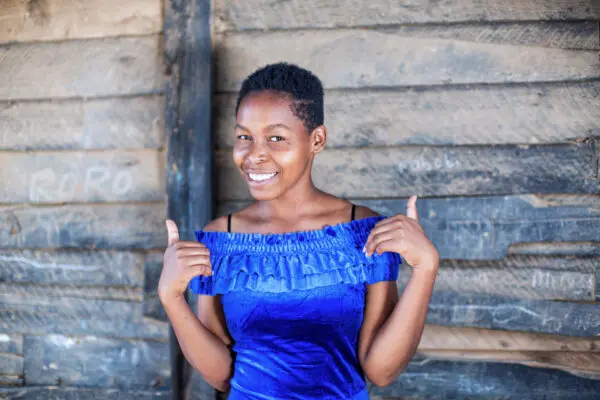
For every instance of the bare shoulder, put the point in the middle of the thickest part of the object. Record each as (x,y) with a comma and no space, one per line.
(365,212)
(217,225)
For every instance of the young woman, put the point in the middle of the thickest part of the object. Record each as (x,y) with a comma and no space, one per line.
(298,296)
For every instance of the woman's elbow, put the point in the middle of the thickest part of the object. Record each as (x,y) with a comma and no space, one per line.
(383,377)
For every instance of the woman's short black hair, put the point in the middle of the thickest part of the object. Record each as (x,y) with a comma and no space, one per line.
(303,86)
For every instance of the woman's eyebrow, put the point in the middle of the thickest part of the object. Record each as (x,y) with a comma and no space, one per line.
(238,126)
(278,125)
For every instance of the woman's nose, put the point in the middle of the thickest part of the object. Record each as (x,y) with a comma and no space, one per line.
(258,152)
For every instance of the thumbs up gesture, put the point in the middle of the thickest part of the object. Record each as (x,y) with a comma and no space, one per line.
(182,261)
(404,235)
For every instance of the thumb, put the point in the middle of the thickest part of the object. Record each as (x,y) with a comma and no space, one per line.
(172,232)
(411,208)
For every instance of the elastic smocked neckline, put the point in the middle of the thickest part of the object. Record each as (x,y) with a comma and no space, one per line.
(331,236)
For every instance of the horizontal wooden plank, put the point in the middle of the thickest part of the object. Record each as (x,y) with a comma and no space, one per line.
(11,364)
(427,378)
(485,227)
(68,267)
(81,68)
(520,280)
(581,364)
(118,226)
(556,248)
(337,57)
(60,20)
(152,308)
(265,14)
(544,113)
(120,175)
(12,321)
(494,312)
(11,343)
(126,294)
(10,380)
(96,362)
(125,123)
(79,393)
(68,301)
(438,337)
(438,171)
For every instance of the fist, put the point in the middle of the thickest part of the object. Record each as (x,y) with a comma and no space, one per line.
(182,261)
(404,235)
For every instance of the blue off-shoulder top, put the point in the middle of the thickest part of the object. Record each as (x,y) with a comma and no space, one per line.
(294,305)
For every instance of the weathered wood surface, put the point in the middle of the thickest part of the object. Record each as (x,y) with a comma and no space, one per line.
(525,278)
(556,248)
(586,365)
(428,378)
(439,171)
(10,380)
(117,226)
(104,176)
(439,337)
(537,113)
(124,123)
(494,312)
(11,364)
(79,393)
(485,227)
(337,57)
(96,362)
(81,68)
(152,307)
(265,14)
(126,294)
(67,301)
(60,20)
(11,343)
(70,267)
(12,321)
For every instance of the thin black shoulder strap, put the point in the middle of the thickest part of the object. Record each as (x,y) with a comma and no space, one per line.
(229,223)
(353,212)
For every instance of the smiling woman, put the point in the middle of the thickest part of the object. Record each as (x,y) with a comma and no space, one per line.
(298,293)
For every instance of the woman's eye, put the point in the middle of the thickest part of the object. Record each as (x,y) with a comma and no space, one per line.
(243,137)
(275,139)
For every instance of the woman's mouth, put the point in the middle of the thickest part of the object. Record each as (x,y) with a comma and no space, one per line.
(257,179)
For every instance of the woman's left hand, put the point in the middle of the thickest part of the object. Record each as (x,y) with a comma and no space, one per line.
(404,235)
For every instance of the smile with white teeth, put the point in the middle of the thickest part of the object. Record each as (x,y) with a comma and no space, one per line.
(261,177)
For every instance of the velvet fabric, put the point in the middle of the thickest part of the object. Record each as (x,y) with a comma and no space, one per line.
(294,304)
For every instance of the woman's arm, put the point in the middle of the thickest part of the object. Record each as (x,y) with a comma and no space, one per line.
(204,340)
(392,328)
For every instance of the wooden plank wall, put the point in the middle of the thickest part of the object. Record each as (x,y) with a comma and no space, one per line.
(82,200)
(492,114)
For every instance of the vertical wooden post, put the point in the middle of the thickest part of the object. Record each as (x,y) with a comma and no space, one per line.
(188,127)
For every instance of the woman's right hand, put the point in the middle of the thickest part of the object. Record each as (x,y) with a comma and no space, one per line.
(182,261)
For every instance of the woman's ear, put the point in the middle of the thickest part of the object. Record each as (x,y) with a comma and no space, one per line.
(318,138)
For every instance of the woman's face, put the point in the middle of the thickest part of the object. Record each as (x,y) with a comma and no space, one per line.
(272,150)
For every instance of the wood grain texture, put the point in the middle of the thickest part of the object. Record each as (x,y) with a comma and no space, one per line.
(79,393)
(430,378)
(586,365)
(11,364)
(541,113)
(524,278)
(96,361)
(69,267)
(28,323)
(265,14)
(494,312)
(52,177)
(11,343)
(484,227)
(556,248)
(152,307)
(439,171)
(58,301)
(81,68)
(61,19)
(438,337)
(139,226)
(124,123)
(338,57)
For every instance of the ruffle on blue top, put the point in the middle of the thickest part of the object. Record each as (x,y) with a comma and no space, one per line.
(293,261)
